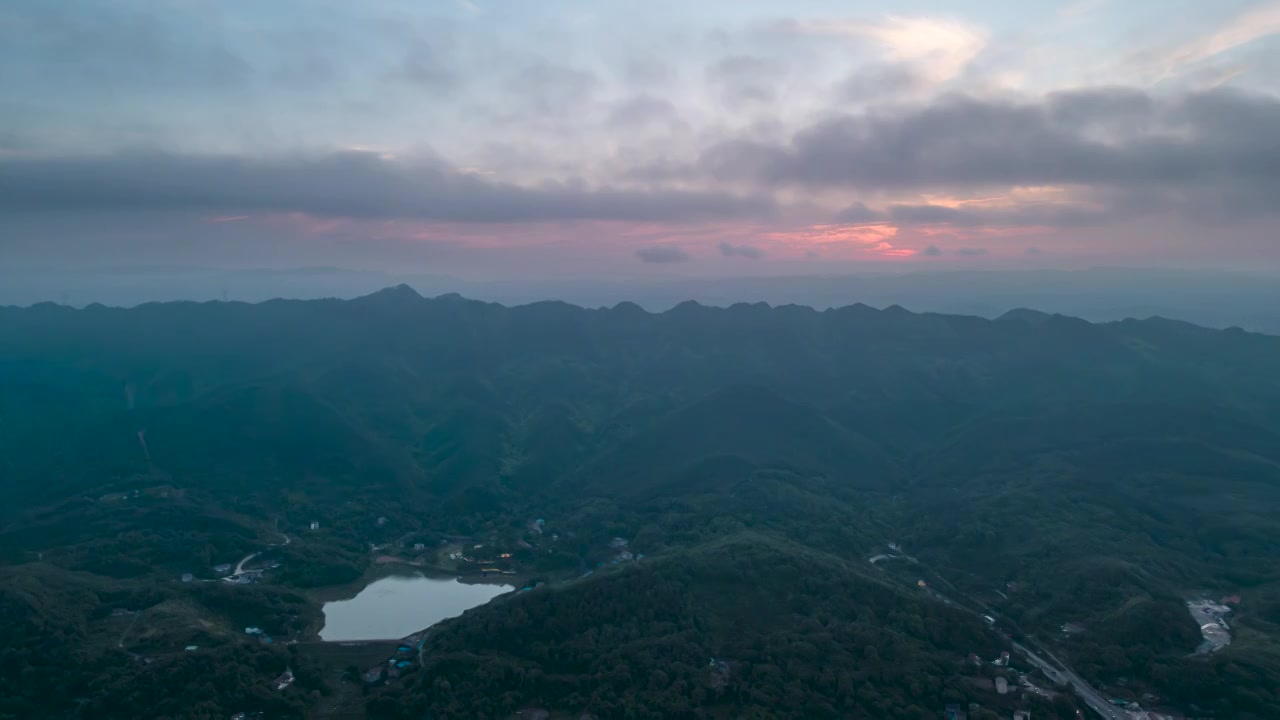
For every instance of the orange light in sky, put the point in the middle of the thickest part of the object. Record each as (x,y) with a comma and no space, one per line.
(869,238)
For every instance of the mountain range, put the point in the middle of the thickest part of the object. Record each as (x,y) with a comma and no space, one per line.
(1107,471)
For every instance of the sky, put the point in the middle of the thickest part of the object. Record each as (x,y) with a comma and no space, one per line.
(493,139)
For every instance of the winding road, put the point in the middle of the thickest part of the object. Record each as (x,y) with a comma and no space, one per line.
(1060,673)
(248,558)
(1066,676)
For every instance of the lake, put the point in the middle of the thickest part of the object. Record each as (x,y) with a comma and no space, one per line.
(393,607)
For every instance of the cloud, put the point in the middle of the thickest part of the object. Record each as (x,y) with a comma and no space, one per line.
(1032,251)
(939,48)
(1219,150)
(745,79)
(641,110)
(105,47)
(345,184)
(870,238)
(1079,9)
(881,82)
(551,89)
(924,214)
(425,66)
(662,254)
(932,251)
(1255,23)
(858,213)
(1063,214)
(971,252)
(743,251)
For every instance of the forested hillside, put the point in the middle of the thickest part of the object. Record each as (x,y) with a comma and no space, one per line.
(1041,467)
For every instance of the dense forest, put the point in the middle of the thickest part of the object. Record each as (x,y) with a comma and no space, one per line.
(1037,468)
(800,635)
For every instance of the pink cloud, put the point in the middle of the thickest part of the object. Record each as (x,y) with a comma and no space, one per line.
(870,238)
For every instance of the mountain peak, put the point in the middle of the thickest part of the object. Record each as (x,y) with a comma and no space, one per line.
(403,290)
(629,308)
(397,292)
(1024,315)
(687,306)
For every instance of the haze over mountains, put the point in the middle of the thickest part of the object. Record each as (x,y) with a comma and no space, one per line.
(1204,297)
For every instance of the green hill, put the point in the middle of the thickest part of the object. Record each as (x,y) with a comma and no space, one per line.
(800,633)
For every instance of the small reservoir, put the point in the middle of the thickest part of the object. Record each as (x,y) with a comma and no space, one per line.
(393,607)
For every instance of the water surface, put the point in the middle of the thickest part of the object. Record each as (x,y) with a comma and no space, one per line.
(393,607)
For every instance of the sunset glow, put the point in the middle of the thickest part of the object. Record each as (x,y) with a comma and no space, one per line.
(485,139)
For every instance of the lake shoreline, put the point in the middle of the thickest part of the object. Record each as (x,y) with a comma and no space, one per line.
(389,603)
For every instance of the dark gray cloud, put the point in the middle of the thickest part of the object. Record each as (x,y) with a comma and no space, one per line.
(858,213)
(741,251)
(932,251)
(1048,214)
(1032,251)
(1117,110)
(1223,143)
(662,254)
(348,184)
(925,214)
(881,82)
(971,252)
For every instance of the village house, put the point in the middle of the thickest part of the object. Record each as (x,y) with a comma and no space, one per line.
(284,681)
(398,668)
